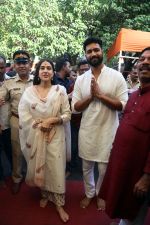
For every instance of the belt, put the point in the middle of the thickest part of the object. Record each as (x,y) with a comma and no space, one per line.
(15,115)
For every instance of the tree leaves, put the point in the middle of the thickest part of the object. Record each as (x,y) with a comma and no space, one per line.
(53,27)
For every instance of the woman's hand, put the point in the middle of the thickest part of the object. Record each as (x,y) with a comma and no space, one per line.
(2,101)
(45,128)
(47,124)
(36,123)
(51,121)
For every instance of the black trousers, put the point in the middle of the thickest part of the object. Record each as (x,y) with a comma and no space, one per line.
(5,145)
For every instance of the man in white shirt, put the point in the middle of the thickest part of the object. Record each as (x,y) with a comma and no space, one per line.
(99,94)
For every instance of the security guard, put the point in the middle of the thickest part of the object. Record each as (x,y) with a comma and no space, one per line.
(12,91)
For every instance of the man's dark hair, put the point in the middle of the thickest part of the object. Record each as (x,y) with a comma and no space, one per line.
(91,40)
(60,63)
(18,52)
(3,58)
(82,62)
(145,49)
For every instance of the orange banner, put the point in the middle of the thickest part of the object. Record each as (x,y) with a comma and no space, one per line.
(129,40)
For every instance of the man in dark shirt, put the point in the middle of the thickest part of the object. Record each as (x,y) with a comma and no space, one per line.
(63,70)
(75,163)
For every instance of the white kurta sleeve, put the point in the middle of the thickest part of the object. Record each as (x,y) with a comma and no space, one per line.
(77,95)
(122,91)
(66,116)
(65,107)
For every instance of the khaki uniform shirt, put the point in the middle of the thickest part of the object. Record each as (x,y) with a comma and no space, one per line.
(5,116)
(13,89)
(4,113)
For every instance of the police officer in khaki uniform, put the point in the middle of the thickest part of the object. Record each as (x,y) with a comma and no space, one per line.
(12,91)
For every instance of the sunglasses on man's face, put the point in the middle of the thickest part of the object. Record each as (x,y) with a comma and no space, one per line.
(22,62)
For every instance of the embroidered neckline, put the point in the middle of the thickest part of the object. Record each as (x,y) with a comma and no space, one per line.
(42,99)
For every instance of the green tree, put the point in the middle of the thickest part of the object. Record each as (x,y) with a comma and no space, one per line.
(53,27)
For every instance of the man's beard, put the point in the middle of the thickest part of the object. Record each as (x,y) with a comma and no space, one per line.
(145,80)
(95,61)
(142,70)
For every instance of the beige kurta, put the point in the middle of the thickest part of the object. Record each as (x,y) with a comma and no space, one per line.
(4,113)
(31,107)
(99,122)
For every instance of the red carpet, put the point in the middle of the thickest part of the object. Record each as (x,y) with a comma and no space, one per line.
(23,209)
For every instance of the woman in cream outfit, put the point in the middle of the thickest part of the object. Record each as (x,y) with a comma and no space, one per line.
(44,113)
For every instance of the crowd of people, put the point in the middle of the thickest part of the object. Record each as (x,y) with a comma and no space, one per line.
(53,118)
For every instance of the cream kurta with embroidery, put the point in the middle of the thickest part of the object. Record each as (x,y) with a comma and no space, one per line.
(31,107)
(99,123)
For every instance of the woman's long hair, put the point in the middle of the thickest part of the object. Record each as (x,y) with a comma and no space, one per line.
(37,79)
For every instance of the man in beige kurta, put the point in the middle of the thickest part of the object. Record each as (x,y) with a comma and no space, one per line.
(12,91)
(99,94)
